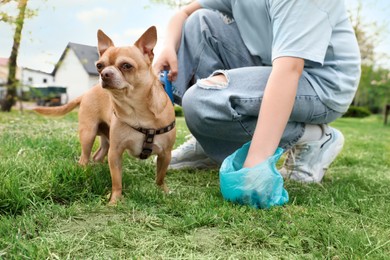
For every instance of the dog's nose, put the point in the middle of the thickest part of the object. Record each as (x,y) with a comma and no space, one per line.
(107,74)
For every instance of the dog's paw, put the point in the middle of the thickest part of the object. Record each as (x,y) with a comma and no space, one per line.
(164,188)
(114,199)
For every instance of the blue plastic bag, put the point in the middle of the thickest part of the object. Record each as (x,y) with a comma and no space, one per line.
(259,187)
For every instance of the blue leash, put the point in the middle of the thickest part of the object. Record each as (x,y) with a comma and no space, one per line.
(167,84)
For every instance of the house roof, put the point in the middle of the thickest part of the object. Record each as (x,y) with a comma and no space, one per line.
(3,70)
(3,61)
(37,71)
(87,55)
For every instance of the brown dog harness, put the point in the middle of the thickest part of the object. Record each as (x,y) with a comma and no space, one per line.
(149,133)
(147,147)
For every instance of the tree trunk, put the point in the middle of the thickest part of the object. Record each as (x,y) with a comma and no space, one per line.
(10,98)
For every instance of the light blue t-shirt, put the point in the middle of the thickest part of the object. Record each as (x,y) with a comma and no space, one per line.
(319,31)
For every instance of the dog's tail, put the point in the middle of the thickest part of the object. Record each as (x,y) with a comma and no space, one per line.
(60,110)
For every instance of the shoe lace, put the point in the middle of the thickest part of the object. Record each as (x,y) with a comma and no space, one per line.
(295,155)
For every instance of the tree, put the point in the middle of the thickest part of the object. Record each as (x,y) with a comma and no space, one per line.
(374,87)
(367,34)
(10,98)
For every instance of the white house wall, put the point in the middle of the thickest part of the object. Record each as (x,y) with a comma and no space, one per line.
(71,74)
(36,78)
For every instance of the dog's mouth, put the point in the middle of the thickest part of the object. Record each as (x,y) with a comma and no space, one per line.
(112,88)
(107,86)
(111,84)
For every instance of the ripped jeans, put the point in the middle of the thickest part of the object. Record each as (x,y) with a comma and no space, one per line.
(223,117)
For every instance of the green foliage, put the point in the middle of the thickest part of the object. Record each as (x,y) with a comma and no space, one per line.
(178,111)
(6,17)
(52,208)
(8,101)
(358,112)
(172,3)
(374,89)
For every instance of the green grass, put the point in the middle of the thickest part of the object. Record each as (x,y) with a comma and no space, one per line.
(51,208)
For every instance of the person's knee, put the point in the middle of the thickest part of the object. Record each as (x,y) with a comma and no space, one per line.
(203,104)
(218,81)
(197,97)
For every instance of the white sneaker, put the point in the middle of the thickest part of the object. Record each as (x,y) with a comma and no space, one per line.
(191,155)
(308,162)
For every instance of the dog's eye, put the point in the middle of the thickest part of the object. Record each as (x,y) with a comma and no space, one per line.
(99,66)
(126,66)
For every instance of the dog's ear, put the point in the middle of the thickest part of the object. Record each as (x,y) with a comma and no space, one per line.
(104,42)
(147,42)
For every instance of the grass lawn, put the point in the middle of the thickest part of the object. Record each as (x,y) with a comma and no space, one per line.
(51,208)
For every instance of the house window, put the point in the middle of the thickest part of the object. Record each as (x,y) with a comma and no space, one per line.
(44,81)
(30,80)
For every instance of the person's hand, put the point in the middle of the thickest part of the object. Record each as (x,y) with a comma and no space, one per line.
(260,186)
(167,60)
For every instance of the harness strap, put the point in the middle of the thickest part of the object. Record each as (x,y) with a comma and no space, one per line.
(149,133)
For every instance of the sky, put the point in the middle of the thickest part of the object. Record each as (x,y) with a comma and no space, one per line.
(59,22)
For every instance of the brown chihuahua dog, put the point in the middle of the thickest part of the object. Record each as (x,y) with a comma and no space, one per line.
(129,109)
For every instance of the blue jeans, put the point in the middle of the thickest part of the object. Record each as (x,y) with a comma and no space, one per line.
(223,117)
